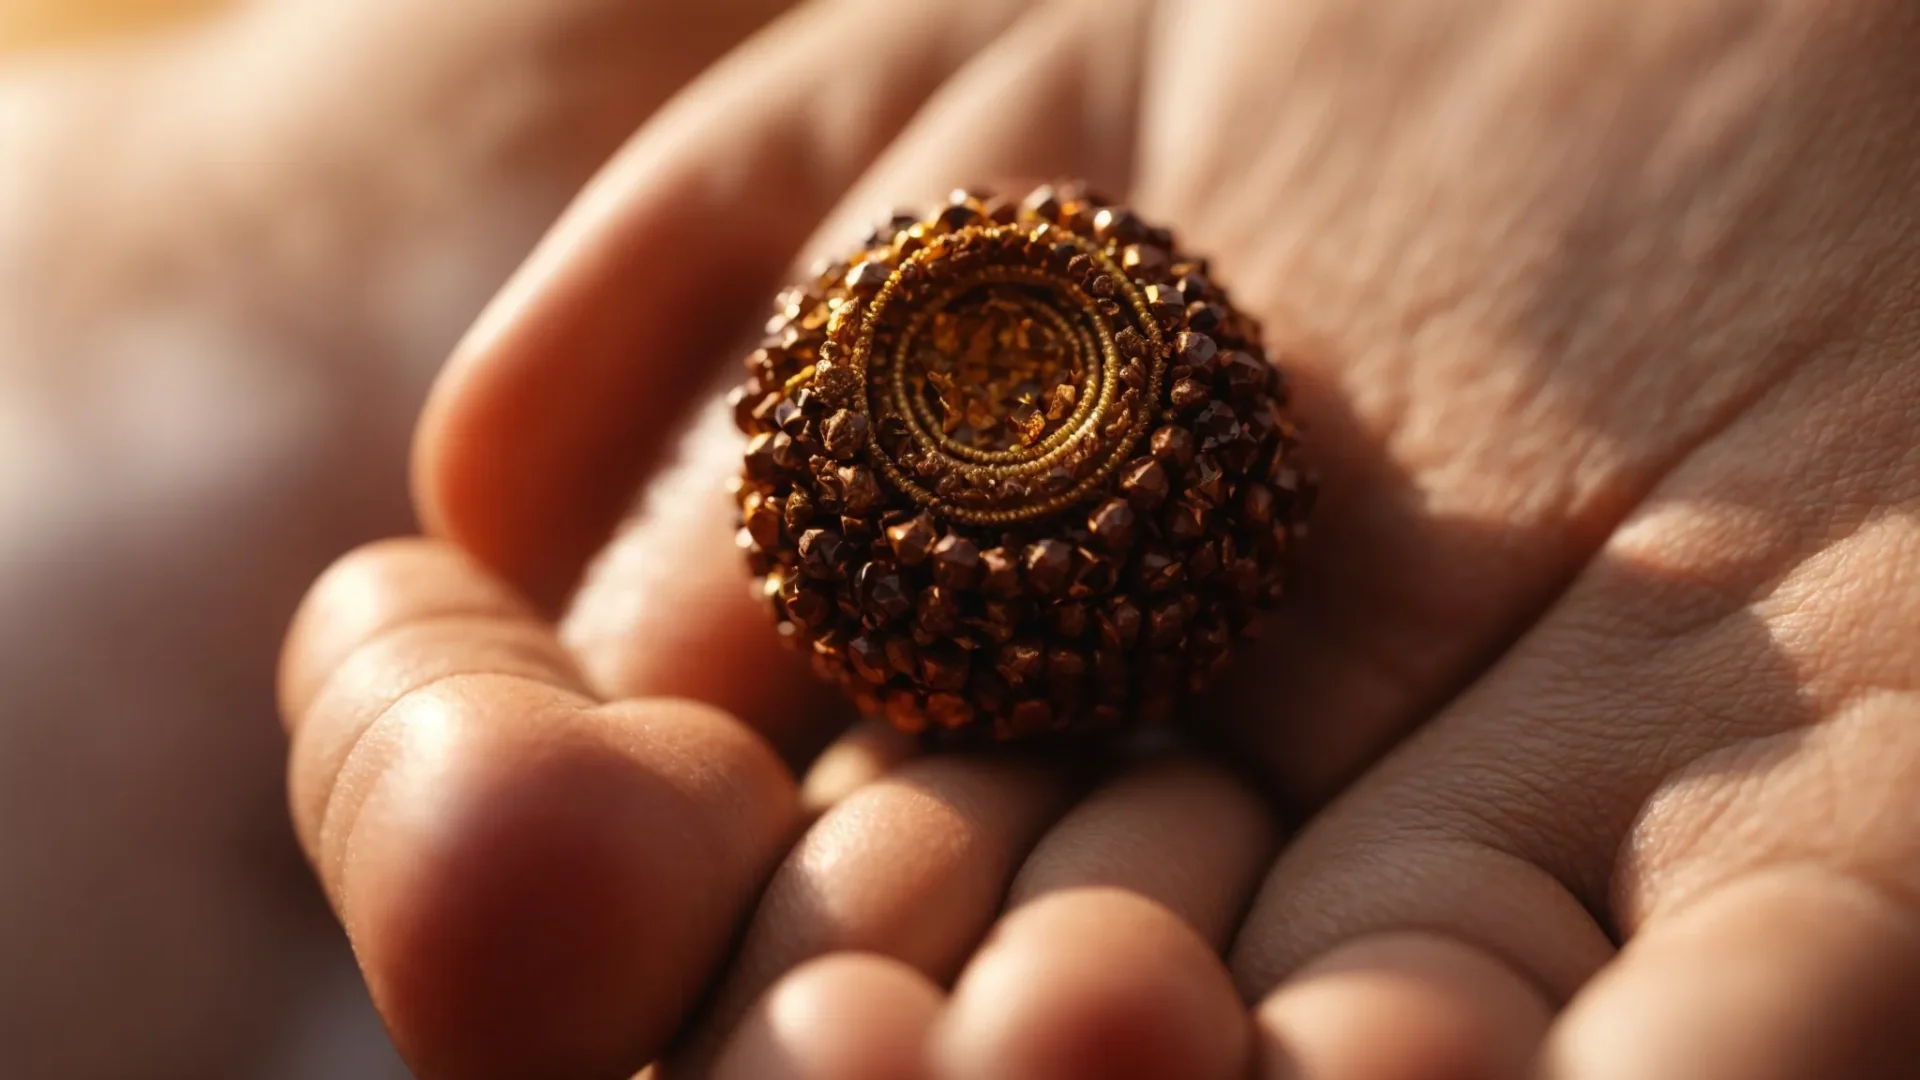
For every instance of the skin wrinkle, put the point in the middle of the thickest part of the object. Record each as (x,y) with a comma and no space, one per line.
(1682,820)
(507,630)
(1515,914)
(527,655)
(1896,884)
(359,778)
(1667,748)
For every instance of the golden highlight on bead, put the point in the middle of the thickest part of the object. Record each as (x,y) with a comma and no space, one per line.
(1016,469)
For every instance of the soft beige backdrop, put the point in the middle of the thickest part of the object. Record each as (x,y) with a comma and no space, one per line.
(234,247)
(32,24)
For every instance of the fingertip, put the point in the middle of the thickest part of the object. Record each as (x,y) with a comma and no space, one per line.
(1183,832)
(1788,974)
(1095,983)
(847,1016)
(371,589)
(549,898)
(1408,1006)
(862,754)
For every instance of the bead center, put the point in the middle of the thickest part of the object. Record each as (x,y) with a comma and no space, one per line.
(996,369)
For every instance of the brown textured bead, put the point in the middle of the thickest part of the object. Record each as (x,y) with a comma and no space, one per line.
(807,607)
(1189,393)
(1120,625)
(1195,350)
(1245,374)
(844,433)
(903,656)
(998,621)
(1000,573)
(1067,620)
(903,712)
(1118,224)
(939,611)
(949,710)
(1186,521)
(883,593)
(819,551)
(869,658)
(988,692)
(1166,304)
(1256,504)
(1049,561)
(1066,668)
(759,459)
(956,562)
(1165,625)
(944,666)
(1145,484)
(912,540)
(1112,523)
(1206,482)
(859,491)
(1145,259)
(1173,445)
(868,277)
(1093,575)
(1016,467)
(762,518)
(1206,318)
(1021,662)
(1030,718)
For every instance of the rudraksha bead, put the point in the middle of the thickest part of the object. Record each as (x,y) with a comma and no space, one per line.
(1016,469)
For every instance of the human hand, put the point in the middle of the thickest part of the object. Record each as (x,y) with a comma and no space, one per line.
(1598,317)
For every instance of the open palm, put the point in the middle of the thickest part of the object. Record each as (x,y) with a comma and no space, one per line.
(1600,319)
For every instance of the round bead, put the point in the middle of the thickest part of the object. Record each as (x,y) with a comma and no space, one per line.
(1016,468)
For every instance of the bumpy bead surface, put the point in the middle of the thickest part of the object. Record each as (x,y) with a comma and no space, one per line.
(1016,469)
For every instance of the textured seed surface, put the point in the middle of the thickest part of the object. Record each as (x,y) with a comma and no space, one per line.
(1016,468)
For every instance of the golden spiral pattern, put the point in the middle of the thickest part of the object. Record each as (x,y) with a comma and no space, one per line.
(1072,462)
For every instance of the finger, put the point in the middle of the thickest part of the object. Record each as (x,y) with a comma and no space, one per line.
(1054,96)
(1172,840)
(912,867)
(849,1016)
(381,623)
(372,590)
(534,884)
(1391,942)
(1097,983)
(666,610)
(863,754)
(563,392)
(1406,1006)
(1797,973)
(1188,835)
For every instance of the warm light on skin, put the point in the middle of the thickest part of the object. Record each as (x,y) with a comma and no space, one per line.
(37,24)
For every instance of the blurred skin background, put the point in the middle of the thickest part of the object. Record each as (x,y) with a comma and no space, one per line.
(237,238)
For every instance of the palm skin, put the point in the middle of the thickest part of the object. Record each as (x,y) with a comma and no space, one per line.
(1600,319)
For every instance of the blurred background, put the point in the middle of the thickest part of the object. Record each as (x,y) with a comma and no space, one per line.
(237,237)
